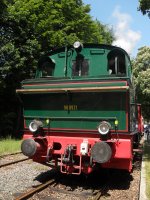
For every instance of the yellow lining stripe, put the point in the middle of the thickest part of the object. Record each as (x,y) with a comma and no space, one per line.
(85,89)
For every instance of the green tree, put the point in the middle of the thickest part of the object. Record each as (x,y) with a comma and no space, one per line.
(30,28)
(144,7)
(141,72)
(3,9)
(10,60)
(33,27)
(54,21)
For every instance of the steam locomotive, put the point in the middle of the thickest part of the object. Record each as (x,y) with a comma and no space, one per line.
(80,110)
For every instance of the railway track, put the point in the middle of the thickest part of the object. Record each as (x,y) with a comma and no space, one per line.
(72,188)
(109,188)
(53,187)
(11,154)
(14,162)
(90,196)
(98,194)
(30,193)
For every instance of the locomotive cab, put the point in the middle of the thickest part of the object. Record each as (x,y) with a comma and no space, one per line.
(85,61)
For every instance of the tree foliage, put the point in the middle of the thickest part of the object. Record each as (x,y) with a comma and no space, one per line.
(30,28)
(53,22)
(144,7)
(33,27)
(141,72)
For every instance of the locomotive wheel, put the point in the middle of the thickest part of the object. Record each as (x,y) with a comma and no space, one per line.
(101,152)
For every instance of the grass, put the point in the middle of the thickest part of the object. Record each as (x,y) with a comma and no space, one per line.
(9,146)
(147,167)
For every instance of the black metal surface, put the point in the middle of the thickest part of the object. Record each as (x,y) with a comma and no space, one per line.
(101,152)
(28,147)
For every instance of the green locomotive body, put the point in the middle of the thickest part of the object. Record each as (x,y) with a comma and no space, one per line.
(80,109)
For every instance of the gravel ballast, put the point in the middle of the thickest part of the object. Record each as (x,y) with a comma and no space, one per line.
(17,178)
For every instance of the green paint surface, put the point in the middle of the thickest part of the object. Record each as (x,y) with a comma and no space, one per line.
(89,67)
(67,110)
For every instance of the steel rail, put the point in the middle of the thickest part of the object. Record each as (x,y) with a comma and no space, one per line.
(33,191)
(10,154)
(98,194)
(14,162)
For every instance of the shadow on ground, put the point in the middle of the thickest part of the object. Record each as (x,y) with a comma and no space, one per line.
(114,179)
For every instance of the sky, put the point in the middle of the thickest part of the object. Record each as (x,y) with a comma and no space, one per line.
(131,27)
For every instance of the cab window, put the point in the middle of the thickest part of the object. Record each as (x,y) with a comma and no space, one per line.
(46,67)
(116,62)
(80,66)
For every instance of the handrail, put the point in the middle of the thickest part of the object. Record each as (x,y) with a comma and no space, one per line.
(83,89)
(71,118)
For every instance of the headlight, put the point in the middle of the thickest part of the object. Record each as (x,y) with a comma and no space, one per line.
(104,128)
(35,125)
(78,46)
